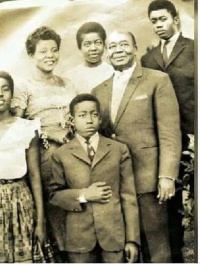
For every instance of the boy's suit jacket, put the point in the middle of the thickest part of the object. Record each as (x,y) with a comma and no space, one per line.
(148,122)
(180,68)
(113,223)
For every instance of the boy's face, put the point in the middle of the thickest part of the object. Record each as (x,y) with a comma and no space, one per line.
(164,25)
(86,118)
(92,48)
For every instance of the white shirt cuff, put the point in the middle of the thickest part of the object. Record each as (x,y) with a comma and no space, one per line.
(167,177)
(82,199)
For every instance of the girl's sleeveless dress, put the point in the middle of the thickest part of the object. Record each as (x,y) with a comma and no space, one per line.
(16,201)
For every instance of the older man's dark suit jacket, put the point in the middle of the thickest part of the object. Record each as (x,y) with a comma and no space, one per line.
(148,122)
(113,223)
(180,68)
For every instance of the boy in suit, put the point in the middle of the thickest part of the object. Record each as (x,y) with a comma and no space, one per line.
(93,181)
(175,56)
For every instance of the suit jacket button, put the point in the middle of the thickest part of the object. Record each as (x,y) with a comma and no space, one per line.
(113,136)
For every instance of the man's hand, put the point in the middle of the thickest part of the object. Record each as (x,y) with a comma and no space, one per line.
(166,189)
(131,252)
(98,192)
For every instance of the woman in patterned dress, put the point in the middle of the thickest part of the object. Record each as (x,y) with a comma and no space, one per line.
(46,96)
(20,228)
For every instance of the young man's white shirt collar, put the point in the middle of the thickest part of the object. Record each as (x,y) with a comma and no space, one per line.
(171,44)
(94,141)
(120,82)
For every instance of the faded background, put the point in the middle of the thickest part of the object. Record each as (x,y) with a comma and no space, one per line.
(19,18)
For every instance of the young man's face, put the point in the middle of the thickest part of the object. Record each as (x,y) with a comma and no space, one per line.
(121,50)
(92,49)
(86,118)
(164,25)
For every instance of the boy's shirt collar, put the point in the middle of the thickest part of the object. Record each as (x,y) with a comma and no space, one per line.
(94,141)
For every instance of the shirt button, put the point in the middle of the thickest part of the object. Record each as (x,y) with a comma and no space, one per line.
(113,136)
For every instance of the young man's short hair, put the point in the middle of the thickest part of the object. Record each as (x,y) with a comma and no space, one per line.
(162,4)
(90,27)
(81,98)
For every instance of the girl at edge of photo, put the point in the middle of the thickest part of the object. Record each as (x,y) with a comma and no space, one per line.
(20,230)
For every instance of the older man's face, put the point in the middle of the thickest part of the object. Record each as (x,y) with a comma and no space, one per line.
(121,50)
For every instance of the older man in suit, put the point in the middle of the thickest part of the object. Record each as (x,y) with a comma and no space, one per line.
(175,56)
(139,108)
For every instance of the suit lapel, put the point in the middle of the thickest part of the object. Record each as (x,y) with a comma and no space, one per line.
(107,97)
(102,150)
(132,84)
(158,56)
(179,46)
(78,151)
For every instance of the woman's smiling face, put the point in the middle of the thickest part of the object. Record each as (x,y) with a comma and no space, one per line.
(46,55)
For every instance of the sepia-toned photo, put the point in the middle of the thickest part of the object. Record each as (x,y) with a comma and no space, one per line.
(98,131)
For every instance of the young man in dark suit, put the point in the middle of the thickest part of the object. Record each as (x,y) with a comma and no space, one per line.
(140,109)
(175,56)
(94,183)
(179,62)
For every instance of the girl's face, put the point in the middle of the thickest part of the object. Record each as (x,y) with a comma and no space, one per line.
(46,55)
(92,48)
(5,95)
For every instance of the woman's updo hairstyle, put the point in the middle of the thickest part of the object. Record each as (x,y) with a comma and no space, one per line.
(42,33)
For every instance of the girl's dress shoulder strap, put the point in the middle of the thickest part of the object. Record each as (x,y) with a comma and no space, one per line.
(28,129)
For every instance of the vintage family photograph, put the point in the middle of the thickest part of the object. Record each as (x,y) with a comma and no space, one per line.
(98,131)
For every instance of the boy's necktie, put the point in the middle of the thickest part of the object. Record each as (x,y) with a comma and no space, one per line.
(164,54)
(90,149)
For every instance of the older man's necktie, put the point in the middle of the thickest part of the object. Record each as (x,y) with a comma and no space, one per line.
(164,54)
(90,149)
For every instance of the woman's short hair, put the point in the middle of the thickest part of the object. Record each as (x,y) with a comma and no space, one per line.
(9,78)
(162,4)
(42,33)
(81,98)
(90,27)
